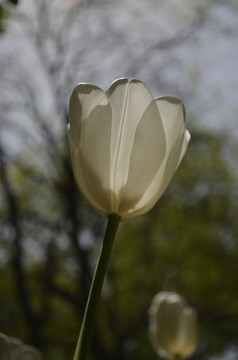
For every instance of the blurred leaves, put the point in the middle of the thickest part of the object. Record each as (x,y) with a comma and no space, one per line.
(187,244)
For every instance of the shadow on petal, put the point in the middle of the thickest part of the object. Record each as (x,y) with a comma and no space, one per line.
(148,152)
(172,163)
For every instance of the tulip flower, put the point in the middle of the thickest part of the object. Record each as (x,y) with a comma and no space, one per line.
(125,148)
(172,326)
(125,145)
(15,349)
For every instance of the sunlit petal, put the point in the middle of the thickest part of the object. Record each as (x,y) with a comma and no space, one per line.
(129,101)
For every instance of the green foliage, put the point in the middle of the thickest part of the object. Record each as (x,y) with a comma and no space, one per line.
(187,243)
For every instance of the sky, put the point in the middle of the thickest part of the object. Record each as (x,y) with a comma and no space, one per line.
(117,40)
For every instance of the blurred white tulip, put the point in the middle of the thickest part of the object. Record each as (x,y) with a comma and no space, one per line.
(172,326)
(14,349)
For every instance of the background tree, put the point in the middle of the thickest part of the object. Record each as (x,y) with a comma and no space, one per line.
(49,236)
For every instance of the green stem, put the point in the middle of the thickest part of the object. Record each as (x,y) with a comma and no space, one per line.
(86,331)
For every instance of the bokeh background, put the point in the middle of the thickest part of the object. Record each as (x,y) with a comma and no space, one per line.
(50,237)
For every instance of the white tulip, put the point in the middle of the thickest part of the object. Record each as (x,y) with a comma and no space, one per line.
(125,145)
(15,349)
(4,352)
(172,326)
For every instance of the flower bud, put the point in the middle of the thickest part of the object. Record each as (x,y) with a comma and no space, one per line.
(172,326)
(125,145)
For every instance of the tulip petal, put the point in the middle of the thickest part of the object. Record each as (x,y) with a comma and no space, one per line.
(131,103)
(90,137)
(188,334)
(172,115)
(148,152)
(172,163)
(169,318)
(175,157)
(84,99)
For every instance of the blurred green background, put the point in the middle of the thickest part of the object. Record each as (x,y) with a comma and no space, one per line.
(50,237)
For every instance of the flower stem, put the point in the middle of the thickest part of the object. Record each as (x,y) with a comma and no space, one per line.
(86,331)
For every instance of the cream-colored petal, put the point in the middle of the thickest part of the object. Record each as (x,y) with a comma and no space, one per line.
(188,332)
(90,184)
(184,344)
(172,114)
(129,101)
(172,163)
(147,155)
(163,177)
(175,157)
(149,198)
(83,100)
(168,319)
(90,139)
(186,340)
